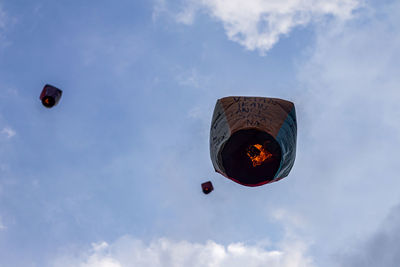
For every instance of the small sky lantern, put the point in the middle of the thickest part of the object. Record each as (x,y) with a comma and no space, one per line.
(207,187)
(253,139)
(50,96)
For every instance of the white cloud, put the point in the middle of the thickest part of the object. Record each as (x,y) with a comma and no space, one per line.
(3,23)
(159,7)
(2,226)
(2,19)
(349,131)
(164,252)
(381,249)
(291,219)
(8,132)
(258,24)
(191,78)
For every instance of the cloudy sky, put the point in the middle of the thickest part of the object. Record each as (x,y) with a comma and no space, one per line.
(111,176)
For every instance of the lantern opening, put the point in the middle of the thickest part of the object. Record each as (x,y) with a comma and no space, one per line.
(48,101)
(251,157)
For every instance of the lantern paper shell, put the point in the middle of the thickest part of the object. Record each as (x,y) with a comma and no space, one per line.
(253,139)
(50,96)
(207,187)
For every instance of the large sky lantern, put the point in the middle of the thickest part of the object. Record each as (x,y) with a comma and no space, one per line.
(50,96)
(253,139)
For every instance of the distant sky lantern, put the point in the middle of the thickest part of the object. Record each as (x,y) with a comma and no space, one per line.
(253,139)
(207,187)
(50,96)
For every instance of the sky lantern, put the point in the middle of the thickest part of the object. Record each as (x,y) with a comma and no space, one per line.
(253,139)
(50,96)
(207,187)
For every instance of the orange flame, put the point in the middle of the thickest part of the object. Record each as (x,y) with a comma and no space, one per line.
(258,154)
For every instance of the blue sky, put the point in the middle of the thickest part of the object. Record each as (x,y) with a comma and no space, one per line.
(111,176)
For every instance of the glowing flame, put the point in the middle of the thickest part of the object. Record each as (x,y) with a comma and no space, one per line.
(258,154)
(47,101)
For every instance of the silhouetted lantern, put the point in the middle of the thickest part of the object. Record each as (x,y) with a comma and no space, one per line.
(50,96)
(253,139)
(207,187)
